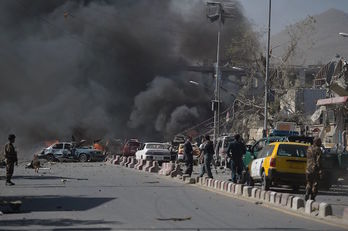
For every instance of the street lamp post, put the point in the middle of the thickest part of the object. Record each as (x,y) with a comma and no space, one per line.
(216,101)
(264,133)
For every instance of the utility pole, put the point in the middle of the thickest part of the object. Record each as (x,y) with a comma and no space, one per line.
(264,133)
(216,102)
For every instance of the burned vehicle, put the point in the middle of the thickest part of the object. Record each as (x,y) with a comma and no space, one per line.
(71,151)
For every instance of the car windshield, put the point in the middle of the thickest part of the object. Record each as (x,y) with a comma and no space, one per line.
(156,146)
(292,150)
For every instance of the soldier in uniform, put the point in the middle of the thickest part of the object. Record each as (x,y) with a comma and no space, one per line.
(313,170)
(10,158)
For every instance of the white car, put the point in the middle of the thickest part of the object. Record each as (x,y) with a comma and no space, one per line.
(153,151)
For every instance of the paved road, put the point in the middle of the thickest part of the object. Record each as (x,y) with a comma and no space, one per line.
(337,196)
(97,196)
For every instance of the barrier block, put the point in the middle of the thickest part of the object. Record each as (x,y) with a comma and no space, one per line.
(284,199)
(273,197)
(238,189)
(155,167)
(185,176)
(230,187)
(190,180)
(297,203)
(253,192)
(268,196)
(263,195)
(325,209)
(247,191)
(308,206)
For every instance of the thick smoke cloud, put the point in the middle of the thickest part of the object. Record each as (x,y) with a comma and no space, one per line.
(104,68)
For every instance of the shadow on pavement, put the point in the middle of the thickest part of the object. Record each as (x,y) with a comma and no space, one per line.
(57,203)
(56,222)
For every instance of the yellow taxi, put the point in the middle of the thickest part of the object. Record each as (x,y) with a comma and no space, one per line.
(280,163)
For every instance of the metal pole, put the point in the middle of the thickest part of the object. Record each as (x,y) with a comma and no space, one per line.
(217,83)
(267,71)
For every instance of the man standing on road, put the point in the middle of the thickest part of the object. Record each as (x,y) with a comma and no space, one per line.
(313,169)
(188,156)
(235,151)
(10,158)
(207,152)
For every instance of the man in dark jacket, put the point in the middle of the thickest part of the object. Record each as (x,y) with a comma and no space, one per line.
(235,151)
(207,153)
(313,169)
(188,156)
(10,158)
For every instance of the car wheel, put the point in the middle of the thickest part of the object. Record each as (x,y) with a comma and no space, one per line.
(83,157)
(265,182)
(50,157)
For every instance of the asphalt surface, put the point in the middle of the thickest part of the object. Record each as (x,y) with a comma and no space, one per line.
(98,196)
(337,196)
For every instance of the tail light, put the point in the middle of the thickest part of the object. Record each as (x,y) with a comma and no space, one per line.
(272,162)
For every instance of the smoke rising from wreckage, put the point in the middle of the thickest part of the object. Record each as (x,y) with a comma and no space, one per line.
(104,68)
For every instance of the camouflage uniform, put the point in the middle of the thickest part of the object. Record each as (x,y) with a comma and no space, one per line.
(11,159)
(314,154)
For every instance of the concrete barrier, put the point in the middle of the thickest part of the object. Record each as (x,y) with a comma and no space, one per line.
(308,206)
(278,199)
(289,203)
(268,196)
(253,192)
(155,167)
(132,163)
(247,191)
(148,165)
(325,210)
(190,180)
(123,160)
(263,195)
(166,168)
(176,171)
(238,189)
(129,159)
(297,203)
(272,198)
(185,176)
(117,160)
(284,199)
(230,187)
(141,164)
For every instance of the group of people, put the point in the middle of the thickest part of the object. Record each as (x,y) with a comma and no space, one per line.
(235,152)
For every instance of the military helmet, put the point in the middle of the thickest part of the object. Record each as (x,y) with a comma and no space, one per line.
(11,136)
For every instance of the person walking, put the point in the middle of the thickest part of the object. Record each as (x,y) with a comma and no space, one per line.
(10,159)
(235,152)
(188,156)
(313,169)
(207,153)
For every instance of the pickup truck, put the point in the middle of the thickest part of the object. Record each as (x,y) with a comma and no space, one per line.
(64,151)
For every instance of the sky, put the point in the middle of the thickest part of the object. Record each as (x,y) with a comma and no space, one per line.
(286,12)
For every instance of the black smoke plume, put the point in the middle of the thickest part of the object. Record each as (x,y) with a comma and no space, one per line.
(105,68)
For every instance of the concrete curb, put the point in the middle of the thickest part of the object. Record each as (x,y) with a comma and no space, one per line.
(281,200)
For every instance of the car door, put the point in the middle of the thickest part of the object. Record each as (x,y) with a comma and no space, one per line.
(57,149)
(256,165)
(67,150)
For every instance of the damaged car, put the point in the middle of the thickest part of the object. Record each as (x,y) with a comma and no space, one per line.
(71,151)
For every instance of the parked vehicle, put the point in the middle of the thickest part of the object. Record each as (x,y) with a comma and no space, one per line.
(154,151)
(280,163)
(130,147)
(196,152)
(221,147)
(63,151)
